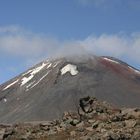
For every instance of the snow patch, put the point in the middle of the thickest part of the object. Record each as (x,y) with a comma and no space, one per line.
(29,85)
(56,63)
(32,73)
(134,70)
(26,79)
(49,65)
(27,72)
(36,70)
(111,60)
(5,100)
(39,80)
(11,84)
(69,68)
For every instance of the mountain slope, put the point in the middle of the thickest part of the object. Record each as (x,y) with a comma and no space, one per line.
(45,91)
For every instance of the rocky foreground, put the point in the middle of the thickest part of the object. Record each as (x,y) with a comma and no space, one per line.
(94,120)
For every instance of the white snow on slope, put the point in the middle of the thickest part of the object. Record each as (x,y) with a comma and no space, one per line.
(33,72)
(26,79)
(36,70)
(11,84)
(134,70)
(30,84)
(5,100)
(27,72)
(69,68)
(111,60)
(56,63)
(49,65)
(39,80)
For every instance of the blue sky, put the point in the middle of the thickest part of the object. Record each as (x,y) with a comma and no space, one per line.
(33,30)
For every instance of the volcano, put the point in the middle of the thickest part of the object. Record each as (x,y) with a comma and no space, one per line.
(47,90)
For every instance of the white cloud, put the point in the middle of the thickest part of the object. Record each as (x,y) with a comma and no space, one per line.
(19,42)
(33,47)
(115,45)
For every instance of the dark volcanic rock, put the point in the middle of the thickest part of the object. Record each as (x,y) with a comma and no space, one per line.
(52,87)
(92,126)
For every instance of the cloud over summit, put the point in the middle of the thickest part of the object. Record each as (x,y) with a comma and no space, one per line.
(21,43)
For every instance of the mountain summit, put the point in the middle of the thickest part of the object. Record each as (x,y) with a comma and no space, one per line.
(54,86)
